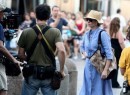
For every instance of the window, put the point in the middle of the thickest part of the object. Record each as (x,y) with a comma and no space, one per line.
(94,4)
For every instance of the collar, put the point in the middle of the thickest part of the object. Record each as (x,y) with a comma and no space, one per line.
(93,31)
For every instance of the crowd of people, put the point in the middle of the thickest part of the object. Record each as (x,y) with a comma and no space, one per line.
(72,27)
(73,36)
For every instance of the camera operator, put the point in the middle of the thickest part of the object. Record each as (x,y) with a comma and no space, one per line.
(5,52)
(10,23)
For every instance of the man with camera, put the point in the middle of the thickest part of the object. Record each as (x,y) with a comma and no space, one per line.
(4,52)
(37,46)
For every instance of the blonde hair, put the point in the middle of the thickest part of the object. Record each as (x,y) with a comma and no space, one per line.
(79,13)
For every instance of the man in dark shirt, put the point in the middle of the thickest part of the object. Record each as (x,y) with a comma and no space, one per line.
(55,20)
(39,57)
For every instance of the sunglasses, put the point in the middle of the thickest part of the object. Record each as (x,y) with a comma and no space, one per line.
(90,20)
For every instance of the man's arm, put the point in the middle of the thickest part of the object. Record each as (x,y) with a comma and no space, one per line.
(7,54)
(21,54)
(61,55)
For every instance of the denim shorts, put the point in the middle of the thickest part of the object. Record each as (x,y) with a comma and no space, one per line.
(33,86)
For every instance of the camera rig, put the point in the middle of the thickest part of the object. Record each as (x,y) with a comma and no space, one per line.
(10,23)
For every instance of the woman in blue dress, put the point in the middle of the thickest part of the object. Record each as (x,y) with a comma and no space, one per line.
(95,83)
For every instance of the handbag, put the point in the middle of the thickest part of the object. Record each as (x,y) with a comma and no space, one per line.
(56,80)
(12,69)
(98,60)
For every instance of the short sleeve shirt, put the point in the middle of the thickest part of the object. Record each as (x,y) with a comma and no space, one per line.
(39,56)
(61,23)
(1,34)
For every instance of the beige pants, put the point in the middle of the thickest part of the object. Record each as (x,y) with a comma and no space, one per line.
(3,78)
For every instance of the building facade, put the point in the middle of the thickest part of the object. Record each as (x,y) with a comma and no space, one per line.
(108,7)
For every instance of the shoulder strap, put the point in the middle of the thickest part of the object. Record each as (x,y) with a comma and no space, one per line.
(99,43)
(44,29)
(49,53)
(32,48)
(43,32)
(34,44)
(99,38)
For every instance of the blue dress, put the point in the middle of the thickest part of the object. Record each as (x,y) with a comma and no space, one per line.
(93,84)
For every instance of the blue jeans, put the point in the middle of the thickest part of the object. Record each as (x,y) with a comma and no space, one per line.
(33,85)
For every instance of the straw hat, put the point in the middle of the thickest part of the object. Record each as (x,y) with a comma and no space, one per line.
(95,15)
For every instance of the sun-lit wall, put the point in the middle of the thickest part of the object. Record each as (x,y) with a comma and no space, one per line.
(66,5)
(125,7)
(7,3)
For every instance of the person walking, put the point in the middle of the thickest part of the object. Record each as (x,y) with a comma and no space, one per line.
(39,58)
(122,20)
(95,83)
(124,65)
(118,45)
(4,52)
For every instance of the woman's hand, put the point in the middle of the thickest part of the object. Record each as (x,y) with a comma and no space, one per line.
(84,54)
(105,71)
(104,74)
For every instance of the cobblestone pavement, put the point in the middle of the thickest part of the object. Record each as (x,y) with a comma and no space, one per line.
(80,67)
